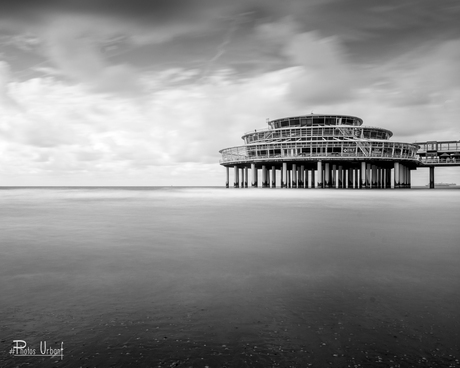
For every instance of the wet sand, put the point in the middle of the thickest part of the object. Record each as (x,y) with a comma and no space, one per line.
(208,277)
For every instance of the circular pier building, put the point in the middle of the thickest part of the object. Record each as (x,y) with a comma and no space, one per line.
(320,151)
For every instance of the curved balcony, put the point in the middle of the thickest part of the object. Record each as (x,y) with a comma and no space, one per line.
(315,120)
(294,134)
(321,150)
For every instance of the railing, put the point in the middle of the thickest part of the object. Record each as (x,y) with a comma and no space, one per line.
(439,160)
(346,131)
(261,130)
(306,156)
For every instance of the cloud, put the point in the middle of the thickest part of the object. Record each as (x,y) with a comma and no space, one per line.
(74,46)
(5,76)
(322,71)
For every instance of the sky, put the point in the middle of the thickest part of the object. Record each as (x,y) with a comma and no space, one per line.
(146,92)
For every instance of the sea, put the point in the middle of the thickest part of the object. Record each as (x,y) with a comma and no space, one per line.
(216,277)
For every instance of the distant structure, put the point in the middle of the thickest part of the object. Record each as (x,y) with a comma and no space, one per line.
(331,151)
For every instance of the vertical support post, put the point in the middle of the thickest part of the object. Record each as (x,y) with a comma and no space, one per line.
(236,181)
(334,176)
(273,177)
(242,178)
(396,175)
(409,182)
(289,178)
(312,179)
(350,178)
(431,177)
(294,175)
(246,177)
(374,176)
(227,170)
(284,175)
(327,175)
(407,171)
(319,178)
(368,175)
(302,176)
(402,176)
(341,183)
(254,175)
(264,176)
(363,175)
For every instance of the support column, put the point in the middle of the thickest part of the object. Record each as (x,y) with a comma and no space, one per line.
(407,173)
(374,176)
(312,179)
(254,175)
(288,180)
(284,175)
(319,178)
(409,181)
(302,180)
(350,178)
(341,182)
(227,170)
(327,175)
(264,176)
(236,181)
(273,177)
(431,177)
(396,175)
(242,178)
(334,176)
(246,177)
(402,176)
(368,175)
(294,175)
(363,175)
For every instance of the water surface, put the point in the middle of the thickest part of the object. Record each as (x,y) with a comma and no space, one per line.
(195,277)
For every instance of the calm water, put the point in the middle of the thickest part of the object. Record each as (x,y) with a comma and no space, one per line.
(188,277)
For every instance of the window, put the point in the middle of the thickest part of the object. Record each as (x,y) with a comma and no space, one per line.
(318,120)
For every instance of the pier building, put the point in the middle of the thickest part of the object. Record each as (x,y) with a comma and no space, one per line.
(327,151)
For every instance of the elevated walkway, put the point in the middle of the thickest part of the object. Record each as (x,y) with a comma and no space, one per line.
(439,153)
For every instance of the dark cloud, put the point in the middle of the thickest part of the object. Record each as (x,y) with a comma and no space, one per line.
(159,11)
(373,30)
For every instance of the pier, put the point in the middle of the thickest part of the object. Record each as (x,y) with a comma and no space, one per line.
(331,151)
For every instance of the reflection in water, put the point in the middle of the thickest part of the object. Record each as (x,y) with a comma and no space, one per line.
(206,276)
